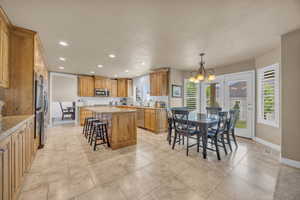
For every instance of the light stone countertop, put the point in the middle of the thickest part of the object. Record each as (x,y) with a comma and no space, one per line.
(9,124)
(108,109)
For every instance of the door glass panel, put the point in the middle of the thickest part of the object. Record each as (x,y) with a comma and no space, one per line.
(238,100)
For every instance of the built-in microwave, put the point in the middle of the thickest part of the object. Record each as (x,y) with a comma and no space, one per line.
(101,92)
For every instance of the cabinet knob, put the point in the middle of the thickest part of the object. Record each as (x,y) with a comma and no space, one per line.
(2,150)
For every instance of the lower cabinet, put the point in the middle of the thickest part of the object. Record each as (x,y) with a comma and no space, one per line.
(16,155)
(155,120)
(83,114)
(5,169)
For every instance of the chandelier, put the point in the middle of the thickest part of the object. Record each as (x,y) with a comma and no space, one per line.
(202,74)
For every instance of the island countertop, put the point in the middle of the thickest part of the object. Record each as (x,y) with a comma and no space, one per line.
(108,109)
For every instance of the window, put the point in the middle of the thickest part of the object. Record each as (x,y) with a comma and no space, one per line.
(191,95)
(268,95)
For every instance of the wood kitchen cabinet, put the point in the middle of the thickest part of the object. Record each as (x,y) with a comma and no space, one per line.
(159,83)
(83,113)
(122,87)
(102,83)
(140,117)
(114,88)
(86,86)
(155,120)
(30,148)
(4,53)
(150,119)
(5,172)
(18,159)
(16,156)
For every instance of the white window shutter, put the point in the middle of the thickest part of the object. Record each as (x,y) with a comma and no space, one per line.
(268,95)
(191,95)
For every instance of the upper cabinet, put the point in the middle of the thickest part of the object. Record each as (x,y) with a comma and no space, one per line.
(159,83)
(117,87)
(86,86)
(102,83)
(124,87)
(114,88)
(4,53)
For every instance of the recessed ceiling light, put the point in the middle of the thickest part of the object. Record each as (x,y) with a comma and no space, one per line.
(143,63)
(63,43)
(126,70)
(61,67)
(112,55)
(92,72)
(99,66)
(62,58)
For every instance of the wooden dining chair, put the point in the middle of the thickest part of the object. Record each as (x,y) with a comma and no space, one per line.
(230,132)
(170,126)
(65,112)
(184,128)
(217,135)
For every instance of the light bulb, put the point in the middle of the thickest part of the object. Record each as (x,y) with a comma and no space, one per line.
(211,77)
(200,77)
(192,79)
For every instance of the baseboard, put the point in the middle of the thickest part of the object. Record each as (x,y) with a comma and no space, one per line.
(268,144)
(289,162)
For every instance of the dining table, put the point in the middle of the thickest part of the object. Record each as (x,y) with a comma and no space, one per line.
(202,123)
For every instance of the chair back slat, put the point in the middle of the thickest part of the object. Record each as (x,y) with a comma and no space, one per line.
(222,122)
(233,117)
(180,120)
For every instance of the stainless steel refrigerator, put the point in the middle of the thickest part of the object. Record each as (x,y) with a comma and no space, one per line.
(41,109)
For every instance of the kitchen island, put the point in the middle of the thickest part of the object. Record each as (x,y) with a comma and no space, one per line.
(122,127)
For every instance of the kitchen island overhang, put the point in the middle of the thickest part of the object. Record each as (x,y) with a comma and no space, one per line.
(122,126)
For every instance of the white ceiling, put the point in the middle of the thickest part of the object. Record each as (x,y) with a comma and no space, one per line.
(160,33)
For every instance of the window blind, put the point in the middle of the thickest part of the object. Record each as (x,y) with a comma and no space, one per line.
(191,93)
(268,88)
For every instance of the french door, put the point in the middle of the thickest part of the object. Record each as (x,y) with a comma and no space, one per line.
(233,91)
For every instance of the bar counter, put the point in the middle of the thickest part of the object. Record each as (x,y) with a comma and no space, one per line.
(122,127)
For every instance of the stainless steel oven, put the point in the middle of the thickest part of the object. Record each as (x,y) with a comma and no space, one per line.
(101,92)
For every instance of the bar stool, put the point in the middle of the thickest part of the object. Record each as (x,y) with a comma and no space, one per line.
(99,133)
(89,126)
(92,125)
(85,125)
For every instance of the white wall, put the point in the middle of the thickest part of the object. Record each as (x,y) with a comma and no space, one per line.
(176,78)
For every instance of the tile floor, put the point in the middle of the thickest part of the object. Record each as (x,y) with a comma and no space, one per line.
(68,169)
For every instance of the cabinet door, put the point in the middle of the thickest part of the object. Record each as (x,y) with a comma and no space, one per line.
(5,65)
(147,119)
(29,137)
(86,86)
(153,84)
(140,117)
(164,83)
(152,120)
(5,169)
(16,162)
(1,52)
(114,88)
(129,88)
(122,88)
(83,114)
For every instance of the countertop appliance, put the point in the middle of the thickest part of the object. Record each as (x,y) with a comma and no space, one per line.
(101,92)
